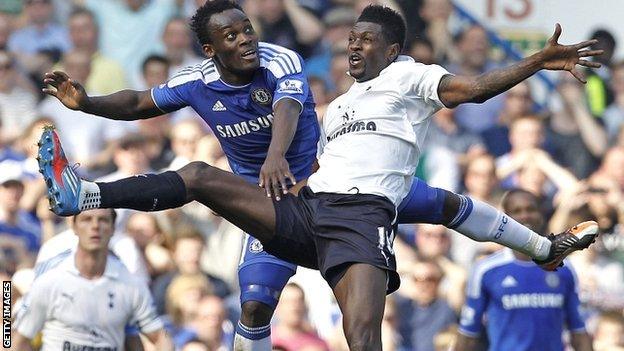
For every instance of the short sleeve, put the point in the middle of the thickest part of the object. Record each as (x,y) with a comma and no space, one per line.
(293,85)
(144,311)
(471,319)
(31,316)
(423,81)
(173,95)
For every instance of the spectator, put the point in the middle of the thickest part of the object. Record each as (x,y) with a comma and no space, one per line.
(421,50)
(106,75)
(473,46)
(480,180)
(445,132)
(433,242)
(20,233)
(286,23)
(209,326)
(597,89)
(614,114)
(133,30)
(186,253)
(185,135)
(178,46)
(182,297)
(40,33)
(436,14)
(292,330)
(609,334)
(5,31)
(517,103)
(17,105)
(422,313)
(149,237)
(577,137)
(338,23)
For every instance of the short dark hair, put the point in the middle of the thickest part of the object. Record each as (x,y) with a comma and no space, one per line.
(392,23)
(154,58)
(604,36)
(199,21)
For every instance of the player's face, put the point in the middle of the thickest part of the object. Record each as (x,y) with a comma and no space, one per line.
(234,43)
(368,51)
(94,229)
(524,209)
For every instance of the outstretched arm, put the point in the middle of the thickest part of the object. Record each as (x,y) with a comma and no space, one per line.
(455,90)
(127,105)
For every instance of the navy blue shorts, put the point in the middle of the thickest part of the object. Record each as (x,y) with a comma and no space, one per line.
(329,232)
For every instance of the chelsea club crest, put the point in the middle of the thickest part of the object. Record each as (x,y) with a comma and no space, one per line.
(255,246)
(261,96)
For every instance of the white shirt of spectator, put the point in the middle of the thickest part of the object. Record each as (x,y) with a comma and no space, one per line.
(74,311)
(371,136)
(123,246)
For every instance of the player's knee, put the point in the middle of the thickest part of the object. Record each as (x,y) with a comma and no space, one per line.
(364,333)
(195,174)
(256,314)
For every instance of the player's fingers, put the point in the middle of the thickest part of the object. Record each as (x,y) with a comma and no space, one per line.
(283,184)
(587,53)
(578,75)
(590,64)
(51,82)
(49,91)
(275,187)
(556,35)
(292,179)
(585,43)
(62,75)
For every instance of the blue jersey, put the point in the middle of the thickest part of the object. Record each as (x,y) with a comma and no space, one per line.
(526,307)
(241,116)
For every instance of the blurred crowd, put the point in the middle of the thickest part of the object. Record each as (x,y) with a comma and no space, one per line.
(566,147)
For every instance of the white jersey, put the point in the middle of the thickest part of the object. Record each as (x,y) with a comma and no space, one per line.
(76,313)
(122,245)
(371,136)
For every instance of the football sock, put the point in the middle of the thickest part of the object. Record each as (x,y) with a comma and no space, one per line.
(252,339)
(145,192)
(482,222)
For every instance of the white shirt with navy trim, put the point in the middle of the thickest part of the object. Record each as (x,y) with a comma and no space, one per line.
(77,313)
(371,136)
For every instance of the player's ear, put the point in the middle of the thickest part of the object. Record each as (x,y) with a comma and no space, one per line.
(208,50)
(393,51)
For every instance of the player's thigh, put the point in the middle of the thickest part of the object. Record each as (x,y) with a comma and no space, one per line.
(241,203)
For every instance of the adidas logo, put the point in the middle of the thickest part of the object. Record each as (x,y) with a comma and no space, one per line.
(508,282)
(218,106)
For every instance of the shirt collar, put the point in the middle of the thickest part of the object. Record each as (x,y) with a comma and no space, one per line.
(110,271)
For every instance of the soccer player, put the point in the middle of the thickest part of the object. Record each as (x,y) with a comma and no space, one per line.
(526,306)
(88,298)
(324,227)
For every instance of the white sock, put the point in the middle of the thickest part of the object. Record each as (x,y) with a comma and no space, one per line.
(486,223)
(243,341)
(89,197)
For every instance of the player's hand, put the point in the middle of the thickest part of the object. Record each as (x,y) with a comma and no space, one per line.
(69,92)
(273,175)
(559,57)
